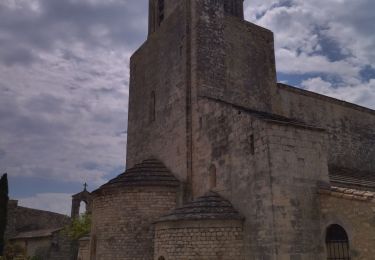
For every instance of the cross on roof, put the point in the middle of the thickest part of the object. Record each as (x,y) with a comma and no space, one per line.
(85,186)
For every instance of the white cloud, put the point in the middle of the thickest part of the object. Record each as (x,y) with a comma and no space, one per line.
(54,202)
(363,94)
(65,115)
(294,63)
(334,39)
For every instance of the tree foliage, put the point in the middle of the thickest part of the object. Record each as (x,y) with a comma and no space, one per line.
(79,227)
(3,210)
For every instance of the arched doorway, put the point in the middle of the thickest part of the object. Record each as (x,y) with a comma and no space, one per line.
(337,243)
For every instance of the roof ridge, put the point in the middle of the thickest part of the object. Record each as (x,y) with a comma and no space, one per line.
(143,174)
(204,207)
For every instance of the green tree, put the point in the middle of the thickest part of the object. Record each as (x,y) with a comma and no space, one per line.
(3,210)
(79,227)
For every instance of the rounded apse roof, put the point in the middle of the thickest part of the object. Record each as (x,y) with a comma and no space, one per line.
(150,172)
(210,206)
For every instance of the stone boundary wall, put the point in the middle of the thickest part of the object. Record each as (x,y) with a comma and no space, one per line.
(22,219)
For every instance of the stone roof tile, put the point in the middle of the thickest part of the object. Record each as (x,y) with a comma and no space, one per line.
(150,172)
(352,178)
(209,206)
(36,233)
(347,193)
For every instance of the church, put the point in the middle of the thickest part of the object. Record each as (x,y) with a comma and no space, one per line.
(225,163)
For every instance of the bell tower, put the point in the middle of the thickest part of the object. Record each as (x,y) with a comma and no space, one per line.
(158,11)
(234,7)
(196,50)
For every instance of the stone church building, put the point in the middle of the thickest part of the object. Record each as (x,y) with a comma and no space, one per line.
(225,163)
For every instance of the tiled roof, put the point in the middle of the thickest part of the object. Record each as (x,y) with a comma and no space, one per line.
(270,117)
(148,173)
(35,233)
(350,178)
(347,193)
(209,206)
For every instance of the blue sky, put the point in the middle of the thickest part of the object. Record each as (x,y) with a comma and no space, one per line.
(64,80)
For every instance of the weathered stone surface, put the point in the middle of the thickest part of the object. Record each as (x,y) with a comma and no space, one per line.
(159,66)
(351,135)
(122,221)
(199,240)
(206,228)
(125,208)
(356,216)
(84,249)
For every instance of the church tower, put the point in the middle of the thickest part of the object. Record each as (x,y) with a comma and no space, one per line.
(196,50)
(202,135)
(221,163)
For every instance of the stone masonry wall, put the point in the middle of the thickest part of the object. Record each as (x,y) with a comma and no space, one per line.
(61,247)
(351,142)
(84,250)
(298,163)
(169,8)
(35,246)
(231,59)
(199,240)
(269,170)
(356,217)
(122,222)
(222,138)
(159,66)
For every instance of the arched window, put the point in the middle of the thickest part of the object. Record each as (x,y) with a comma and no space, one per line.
(82,207)
(160,11)
(337,243)
(212,176)
(152,106)
(161,258)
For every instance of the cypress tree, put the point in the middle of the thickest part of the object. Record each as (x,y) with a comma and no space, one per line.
(3,209)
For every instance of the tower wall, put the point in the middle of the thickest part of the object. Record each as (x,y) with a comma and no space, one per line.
(231,59)
(234,7)
(154,21)
(159,67)
(270,170)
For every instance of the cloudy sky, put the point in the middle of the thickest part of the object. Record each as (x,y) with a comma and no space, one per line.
(64,80)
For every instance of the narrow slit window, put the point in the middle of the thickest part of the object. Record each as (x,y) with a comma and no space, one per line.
(337,243)
(160,11)
(152,106)
(212,177)
(252,145)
